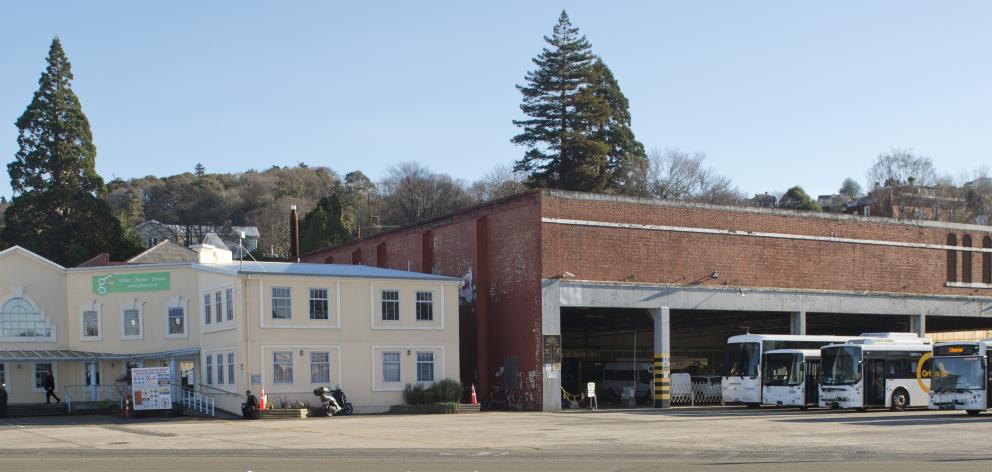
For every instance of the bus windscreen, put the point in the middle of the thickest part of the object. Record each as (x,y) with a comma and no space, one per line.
(742,360)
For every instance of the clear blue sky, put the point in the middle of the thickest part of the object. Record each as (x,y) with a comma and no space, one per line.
(775,93)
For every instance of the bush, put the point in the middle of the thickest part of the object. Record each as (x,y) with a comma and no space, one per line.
(442,391)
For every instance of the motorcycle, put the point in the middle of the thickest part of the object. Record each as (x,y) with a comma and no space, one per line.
(333,402)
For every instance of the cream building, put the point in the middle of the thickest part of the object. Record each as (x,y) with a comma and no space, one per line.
(224,327)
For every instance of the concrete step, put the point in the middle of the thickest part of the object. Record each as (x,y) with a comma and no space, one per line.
(281,414)
(25,410)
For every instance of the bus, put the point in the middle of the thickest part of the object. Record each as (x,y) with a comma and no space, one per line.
(961,376)
(741,382)
(889,370)
(791,377)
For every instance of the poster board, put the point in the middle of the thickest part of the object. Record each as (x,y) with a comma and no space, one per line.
(151,388)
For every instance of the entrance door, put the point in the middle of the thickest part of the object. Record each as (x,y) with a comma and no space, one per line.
(874,382)
(812,382)
(91,374)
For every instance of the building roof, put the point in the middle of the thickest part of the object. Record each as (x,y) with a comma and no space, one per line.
(36,355)
(165,251)
(322,270)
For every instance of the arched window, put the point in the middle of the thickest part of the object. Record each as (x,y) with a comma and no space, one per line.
(987,261)
(966,260)
(20,319)
(952,259)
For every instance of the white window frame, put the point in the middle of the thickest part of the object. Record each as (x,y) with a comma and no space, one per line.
(208,368)
(272,302)
(292,379)
(136,306)
(168,324)
(18,292)
(220,367)
(433,364)
(399,367)
(218,297)
(326,299)
(383,301)
(231,377)
(207,310)
(429,304)
(330,378)
(229,304)
(95,307)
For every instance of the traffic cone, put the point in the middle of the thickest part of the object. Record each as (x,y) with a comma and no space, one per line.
(474,401)
(261,399)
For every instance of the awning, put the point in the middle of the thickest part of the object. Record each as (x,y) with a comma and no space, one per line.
(46,355)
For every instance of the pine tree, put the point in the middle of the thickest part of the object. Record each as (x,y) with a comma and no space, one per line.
(324,226)
(578,132)
(56,211)
(199,170)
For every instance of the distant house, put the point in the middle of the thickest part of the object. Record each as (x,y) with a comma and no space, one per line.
(153,232)
(764,200)
(833,203)
(909,202)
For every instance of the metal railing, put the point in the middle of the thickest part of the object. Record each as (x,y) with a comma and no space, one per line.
(197,401)
(89,394)
(697,393)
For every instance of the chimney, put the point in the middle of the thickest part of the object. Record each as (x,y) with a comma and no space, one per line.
(294,234)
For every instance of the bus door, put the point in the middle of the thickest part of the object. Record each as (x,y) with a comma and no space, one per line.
(812,382)
(988,386)
(874,382)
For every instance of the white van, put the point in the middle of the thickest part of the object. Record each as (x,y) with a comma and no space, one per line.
(622,376)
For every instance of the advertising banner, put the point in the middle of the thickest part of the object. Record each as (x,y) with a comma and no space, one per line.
(145,282)
(151,389)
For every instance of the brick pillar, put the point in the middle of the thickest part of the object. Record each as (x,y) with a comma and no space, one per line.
(482,304)
(427,252)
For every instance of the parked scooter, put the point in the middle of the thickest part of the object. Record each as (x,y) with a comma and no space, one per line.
(333,402)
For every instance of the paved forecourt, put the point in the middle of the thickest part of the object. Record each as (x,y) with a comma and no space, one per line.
(701,438)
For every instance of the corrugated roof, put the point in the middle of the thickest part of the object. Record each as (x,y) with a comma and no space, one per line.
(323,270)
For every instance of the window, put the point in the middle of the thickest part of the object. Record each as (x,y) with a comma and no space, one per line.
(3,373)
(425,367)
(132,323)
(19,319)
(177,320)
(229,303)
(318,304)
(390,367)
(210,369)
(987,261)
(206,308)
(320,367)
(281,303)
(966,260)
(282,367)
(91,324)
(218,304)
(40,374)
(952,259)
(390,305)
(220,368)
(425,306)
(230,368)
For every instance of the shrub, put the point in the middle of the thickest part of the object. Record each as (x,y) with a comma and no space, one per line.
(442,391)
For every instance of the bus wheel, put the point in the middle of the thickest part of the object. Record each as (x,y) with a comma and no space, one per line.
(974,412)
(900,400)
(754,406)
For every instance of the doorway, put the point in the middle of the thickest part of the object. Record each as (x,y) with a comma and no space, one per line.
(874,382)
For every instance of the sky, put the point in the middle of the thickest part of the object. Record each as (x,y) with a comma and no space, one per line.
(775,93)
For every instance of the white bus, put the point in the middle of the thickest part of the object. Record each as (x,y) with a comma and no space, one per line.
(962,378)
(741,382)
(791,377)
(884,370)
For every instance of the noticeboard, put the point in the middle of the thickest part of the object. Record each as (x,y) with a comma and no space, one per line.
(140,282)
(151,388)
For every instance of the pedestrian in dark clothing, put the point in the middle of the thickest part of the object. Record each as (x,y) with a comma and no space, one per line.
(3,400)
(249,409)
(50,388)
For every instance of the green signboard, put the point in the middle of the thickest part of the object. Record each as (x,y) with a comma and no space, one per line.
(115,283)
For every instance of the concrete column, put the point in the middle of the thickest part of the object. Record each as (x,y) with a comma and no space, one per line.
(662,357)
(174,380)
(918,323)
(797,322)
(550,326)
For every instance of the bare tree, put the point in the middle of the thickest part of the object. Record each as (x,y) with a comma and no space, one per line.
(851,188)
(901,167)
(411,193)
(502,181)
(675,175)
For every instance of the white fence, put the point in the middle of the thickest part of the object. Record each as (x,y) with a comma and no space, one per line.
(696,393)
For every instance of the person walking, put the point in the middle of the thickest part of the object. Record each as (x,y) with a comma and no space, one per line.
(50,389)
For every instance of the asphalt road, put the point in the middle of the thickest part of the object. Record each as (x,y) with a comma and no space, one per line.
(721,439)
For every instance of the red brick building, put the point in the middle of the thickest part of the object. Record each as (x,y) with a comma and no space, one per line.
(558,285)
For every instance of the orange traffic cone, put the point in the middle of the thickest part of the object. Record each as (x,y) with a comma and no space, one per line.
(261,399)
(475,401)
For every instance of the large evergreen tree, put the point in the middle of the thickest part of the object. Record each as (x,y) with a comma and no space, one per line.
(577,132)
(324,226)
(56,211)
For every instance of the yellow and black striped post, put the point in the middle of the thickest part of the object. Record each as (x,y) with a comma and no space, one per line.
(662,358)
